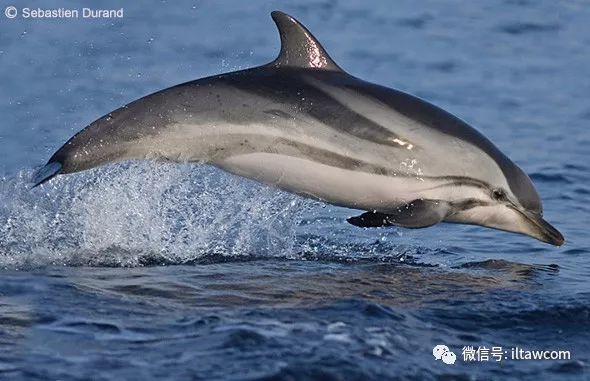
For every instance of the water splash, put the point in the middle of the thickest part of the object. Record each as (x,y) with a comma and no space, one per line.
(141,213)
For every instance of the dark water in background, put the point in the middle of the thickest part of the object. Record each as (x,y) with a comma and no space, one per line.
(143,271)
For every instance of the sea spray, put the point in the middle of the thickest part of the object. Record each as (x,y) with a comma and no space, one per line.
(141,213)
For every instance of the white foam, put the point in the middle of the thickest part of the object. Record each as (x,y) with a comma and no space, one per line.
(133,213)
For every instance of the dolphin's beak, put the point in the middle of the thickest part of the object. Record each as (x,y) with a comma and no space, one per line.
(511,218)
(540,229)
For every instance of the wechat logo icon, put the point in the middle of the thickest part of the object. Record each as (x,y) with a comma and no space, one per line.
(442,352)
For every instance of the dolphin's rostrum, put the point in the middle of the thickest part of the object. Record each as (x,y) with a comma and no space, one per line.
(302,124)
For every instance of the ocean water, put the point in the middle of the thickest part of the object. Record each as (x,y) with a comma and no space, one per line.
(143,271)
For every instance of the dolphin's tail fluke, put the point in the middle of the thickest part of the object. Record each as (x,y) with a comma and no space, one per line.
(46,173)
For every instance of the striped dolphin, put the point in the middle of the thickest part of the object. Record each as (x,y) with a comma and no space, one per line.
(302,124)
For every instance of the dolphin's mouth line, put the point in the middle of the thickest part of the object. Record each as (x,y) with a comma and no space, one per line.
(549,233)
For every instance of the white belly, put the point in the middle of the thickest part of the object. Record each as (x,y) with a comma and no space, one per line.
(337,186)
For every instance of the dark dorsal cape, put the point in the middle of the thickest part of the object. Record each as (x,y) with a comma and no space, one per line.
(299,48)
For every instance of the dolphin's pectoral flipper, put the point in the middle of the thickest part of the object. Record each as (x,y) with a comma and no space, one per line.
(416,214)
(370,220)
(46,172)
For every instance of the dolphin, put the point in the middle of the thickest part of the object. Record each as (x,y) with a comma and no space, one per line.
(304,125)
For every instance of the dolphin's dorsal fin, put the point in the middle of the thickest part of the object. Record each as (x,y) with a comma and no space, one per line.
(299,48)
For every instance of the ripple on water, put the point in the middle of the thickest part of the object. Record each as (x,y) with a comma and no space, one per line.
(520,28)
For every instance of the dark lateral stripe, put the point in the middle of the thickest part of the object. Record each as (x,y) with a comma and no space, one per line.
(459,181)
(468,204)
(311,101)
(331,158)
(284,146)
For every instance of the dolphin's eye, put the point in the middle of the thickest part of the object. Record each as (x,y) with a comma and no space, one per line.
(499,194)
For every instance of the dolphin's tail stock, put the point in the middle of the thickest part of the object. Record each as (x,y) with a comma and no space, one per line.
(45,173)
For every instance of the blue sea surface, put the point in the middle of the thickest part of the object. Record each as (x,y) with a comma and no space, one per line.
(146,271)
